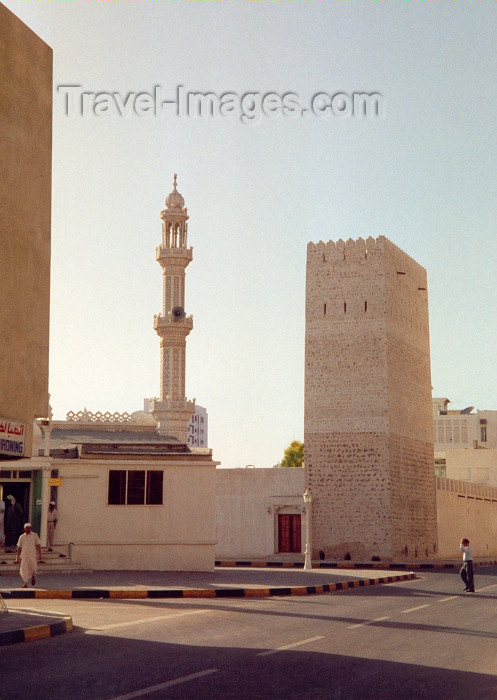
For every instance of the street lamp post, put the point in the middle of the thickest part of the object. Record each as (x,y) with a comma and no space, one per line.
(308,500)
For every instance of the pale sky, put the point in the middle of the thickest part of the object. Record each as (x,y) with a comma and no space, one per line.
(258,190)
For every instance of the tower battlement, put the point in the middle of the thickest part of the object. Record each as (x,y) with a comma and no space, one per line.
(353,250)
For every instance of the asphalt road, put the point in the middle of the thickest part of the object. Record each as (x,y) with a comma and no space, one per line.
(404,641)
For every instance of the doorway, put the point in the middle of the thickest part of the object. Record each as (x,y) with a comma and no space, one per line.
(289,533)
(21,492)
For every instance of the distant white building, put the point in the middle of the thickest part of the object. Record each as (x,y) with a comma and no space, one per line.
(197,428)
(456,429)
(465,443)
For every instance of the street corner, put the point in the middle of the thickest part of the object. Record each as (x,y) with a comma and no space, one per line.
(20,626)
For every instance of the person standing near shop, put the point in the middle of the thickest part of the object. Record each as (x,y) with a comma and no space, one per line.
(2,514)
(52,518)
(14,518)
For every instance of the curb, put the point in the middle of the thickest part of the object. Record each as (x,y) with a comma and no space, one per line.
(348,565)
(100,593)
(32,634)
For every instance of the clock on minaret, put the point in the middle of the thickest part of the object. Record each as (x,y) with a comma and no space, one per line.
(172,410)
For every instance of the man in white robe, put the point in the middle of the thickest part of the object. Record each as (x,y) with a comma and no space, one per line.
(29,551)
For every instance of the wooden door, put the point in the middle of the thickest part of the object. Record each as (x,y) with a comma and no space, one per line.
(289,529)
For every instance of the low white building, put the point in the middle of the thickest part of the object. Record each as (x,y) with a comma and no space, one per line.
(130,491)
(127,497)
(465,443)
(260,513)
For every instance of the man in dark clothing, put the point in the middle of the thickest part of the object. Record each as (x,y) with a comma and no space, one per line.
(14,523)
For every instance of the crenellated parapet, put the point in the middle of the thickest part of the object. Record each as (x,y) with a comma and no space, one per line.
(352,250)
(340,251)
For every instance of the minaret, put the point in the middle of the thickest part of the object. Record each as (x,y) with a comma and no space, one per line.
(172,411)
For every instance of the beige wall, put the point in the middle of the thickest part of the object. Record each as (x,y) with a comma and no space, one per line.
(466,510)
(478,466)
(247,505)
(25,211)
(179,535)
(245,528)
(368,416)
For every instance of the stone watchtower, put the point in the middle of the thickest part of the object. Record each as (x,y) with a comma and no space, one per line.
(172,411)
(368,429)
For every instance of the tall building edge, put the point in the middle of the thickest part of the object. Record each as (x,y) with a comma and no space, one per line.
(25,229)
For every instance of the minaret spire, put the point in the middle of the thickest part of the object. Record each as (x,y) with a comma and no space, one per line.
(172,411)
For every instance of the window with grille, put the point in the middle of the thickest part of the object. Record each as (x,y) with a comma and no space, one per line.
(135,487)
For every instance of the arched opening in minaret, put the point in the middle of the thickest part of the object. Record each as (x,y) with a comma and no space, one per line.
(167,234)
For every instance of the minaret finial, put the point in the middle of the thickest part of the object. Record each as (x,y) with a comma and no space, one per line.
(174,182)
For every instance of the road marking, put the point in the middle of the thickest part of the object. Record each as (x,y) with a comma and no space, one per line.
(418,607)
(167,684)
(289,646)
(444,600)
(93,630)
(487,588)
(369,622)
(34,611)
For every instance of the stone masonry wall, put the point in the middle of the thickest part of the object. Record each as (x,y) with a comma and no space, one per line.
(467,510)
(368,424)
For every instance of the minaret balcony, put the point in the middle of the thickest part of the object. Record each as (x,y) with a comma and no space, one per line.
(168,405)
(173,255)
(171,322)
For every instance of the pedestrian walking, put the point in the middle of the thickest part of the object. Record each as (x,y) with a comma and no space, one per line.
(467,566)
(29,552)
(14,518)
(52,519)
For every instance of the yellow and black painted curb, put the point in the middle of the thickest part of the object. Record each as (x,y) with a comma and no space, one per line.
(32,634)
(101,593)
(397,566)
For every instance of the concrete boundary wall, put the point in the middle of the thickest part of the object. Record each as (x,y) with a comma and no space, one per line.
(466,509)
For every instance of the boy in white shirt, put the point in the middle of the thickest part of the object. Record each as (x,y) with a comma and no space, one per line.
(467,566)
